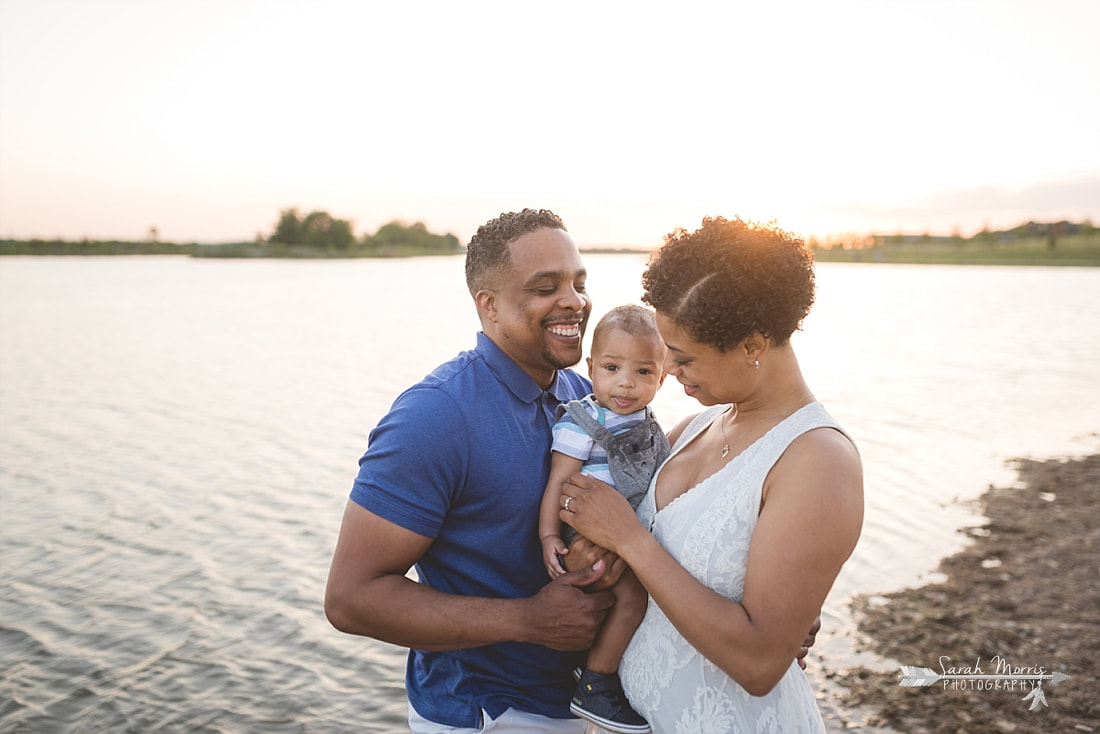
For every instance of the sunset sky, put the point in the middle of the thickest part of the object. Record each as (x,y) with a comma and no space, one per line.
(205,118)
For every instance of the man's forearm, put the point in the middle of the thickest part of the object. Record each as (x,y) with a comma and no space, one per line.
(400,611)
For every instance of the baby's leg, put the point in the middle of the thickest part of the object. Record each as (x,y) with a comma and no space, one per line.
(630,605)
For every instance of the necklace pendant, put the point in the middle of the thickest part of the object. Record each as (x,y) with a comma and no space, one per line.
(725,450)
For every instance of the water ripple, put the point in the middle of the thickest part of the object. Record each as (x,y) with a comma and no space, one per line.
(177,440)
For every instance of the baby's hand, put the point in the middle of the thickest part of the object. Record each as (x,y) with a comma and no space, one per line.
(552,547)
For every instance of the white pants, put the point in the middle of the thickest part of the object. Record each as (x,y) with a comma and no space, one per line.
(509,722)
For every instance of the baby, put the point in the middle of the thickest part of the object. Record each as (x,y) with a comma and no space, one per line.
(610,435)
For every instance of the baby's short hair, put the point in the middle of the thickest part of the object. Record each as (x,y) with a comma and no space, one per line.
(634,320)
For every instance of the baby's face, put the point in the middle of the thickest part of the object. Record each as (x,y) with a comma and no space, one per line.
(626,370)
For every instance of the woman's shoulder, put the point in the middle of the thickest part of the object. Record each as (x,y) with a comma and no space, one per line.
(816,436)
(813,420)
(820,475)
(822,461)
(825,444)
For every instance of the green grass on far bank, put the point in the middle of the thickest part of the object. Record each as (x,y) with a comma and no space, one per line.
(92,247)
(227,250)
(1070,250)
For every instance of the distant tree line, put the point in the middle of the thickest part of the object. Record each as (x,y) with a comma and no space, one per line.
(320,230)
(316,229)
(1033,243)
(317,234)
(1047,232)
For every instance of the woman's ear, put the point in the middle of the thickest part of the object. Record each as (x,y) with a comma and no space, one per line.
(755,348)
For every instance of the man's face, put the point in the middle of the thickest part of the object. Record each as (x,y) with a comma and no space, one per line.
(538,310)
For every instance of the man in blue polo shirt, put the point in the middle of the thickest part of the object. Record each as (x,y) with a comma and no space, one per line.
(451,484)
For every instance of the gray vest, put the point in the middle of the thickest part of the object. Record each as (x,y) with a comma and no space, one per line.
(633,455)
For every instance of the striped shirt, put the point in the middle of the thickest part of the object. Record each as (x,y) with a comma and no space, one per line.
(572,440)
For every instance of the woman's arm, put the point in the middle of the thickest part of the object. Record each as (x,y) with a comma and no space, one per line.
(809,523)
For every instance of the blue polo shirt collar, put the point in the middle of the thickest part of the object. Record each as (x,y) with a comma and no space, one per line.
(513,377)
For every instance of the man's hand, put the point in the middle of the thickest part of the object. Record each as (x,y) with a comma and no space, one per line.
(562,616)
(808,642)
(584,554)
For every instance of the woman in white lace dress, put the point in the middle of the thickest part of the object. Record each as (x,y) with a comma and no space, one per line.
(748,523)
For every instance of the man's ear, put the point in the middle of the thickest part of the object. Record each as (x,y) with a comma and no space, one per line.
(486,302)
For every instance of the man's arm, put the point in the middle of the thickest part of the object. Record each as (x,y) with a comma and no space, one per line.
(369,594)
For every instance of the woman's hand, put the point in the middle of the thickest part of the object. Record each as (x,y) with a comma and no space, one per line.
(598,512)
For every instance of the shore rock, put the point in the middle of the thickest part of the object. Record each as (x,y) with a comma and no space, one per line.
(1026,591)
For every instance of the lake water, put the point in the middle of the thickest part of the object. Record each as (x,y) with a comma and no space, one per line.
(178,437)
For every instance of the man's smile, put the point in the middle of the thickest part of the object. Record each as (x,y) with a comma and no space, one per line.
(570,330)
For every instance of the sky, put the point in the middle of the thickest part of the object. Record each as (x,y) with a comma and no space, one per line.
(205,119)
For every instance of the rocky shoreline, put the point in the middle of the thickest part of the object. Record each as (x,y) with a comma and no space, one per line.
(1024,593)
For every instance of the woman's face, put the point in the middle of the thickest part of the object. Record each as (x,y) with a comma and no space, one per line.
(703,371)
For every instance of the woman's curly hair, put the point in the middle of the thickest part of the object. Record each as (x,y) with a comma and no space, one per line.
(730,278)
(487,252)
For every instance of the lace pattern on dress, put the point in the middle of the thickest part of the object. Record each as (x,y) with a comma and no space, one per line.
(708,529)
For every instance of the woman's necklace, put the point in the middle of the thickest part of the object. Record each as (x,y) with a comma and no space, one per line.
(722,425)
